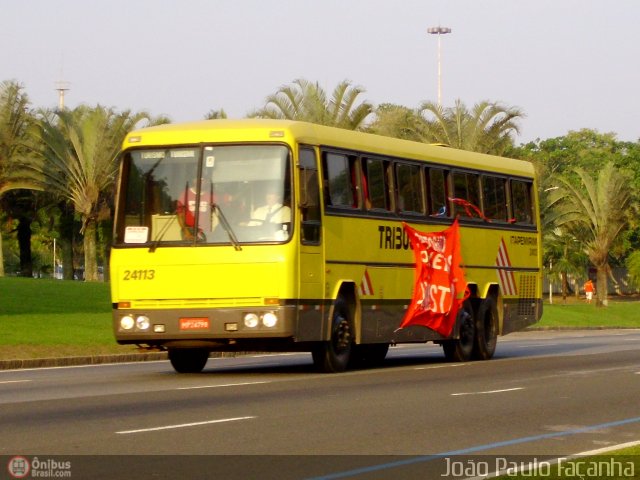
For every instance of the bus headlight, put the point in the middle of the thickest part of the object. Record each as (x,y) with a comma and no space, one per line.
(127,322)
(142,322)
(269,320)
(251,320)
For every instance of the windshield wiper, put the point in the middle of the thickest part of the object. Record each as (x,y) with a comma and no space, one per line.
(223,221)
(227,227)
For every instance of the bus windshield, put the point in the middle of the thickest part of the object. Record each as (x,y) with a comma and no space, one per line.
(205,195)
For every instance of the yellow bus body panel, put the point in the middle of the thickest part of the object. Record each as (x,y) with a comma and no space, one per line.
(209,276)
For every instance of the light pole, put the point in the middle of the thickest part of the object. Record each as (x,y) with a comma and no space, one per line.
(439,31)
(62,87)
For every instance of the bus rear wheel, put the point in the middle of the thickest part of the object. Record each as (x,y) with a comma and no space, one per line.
(486,330)
(188,360)
(333,356)
(461,349)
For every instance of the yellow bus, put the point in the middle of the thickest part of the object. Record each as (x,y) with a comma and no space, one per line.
(262,235)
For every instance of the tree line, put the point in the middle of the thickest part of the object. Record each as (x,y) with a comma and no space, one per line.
(58,171)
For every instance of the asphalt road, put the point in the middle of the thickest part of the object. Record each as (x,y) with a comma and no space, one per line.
(545,394)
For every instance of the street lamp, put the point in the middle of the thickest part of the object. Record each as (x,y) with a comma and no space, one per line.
(439,31)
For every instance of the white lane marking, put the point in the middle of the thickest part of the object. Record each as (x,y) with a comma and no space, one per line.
(487,392)
(550,344)
(290,354)
(183,425)
(600,451)
(529,469)
(261,364)
(15,381)
(442,366)
(221,385)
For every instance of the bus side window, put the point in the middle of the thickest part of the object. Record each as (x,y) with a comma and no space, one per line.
(494,198)
(465,187)
(340,191)
(311,221)
(438,192)
(409,187)
(377,184)
(521,202)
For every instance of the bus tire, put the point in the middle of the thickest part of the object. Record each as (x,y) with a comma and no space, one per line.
(461,348)
(486,330)
(333,356)
(188,360)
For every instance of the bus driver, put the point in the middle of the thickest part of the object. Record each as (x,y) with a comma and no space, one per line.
(272,212)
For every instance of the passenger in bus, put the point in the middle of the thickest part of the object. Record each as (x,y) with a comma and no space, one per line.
(274,211)
(442,212)
(186,208)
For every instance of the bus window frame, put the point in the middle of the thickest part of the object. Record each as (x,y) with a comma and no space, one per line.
(528,183)
(387,179)
(482,206)
(421,184)
(358,174)
(432,208)
(351,163)
(457,210)
(304,182)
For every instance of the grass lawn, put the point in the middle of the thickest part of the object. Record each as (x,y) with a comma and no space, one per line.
(50,318)
(621,464)
(621,312)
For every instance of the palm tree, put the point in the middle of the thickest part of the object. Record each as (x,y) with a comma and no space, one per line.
(15,119)
(563,253)
(597,211)
(487,128)
(307,101)
(79,164)
(215,114)
(399,122)
(633,267)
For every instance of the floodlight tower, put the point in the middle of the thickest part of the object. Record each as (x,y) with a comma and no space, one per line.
(439,31)
(61,87)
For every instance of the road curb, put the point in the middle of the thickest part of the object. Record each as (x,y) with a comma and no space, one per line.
(81,360)
(567,329)
(17,364)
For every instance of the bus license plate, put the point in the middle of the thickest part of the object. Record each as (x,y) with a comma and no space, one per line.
(194,323)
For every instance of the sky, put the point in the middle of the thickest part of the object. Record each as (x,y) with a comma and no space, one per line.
(567,64)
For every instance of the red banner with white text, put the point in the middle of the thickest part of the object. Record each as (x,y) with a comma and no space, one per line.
(439,285)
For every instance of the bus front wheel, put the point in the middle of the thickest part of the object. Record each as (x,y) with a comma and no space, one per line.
(188,360)
(461,349)
(333,356)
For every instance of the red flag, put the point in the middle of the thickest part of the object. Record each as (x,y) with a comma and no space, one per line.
(439,286)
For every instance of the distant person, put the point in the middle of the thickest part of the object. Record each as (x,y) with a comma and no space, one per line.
(589,290)
(272,212)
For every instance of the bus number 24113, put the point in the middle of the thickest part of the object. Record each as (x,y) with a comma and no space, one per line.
(139,275)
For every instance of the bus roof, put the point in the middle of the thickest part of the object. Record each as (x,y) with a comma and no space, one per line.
(263,130)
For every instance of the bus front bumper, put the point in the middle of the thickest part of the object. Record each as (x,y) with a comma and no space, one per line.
(223,326)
